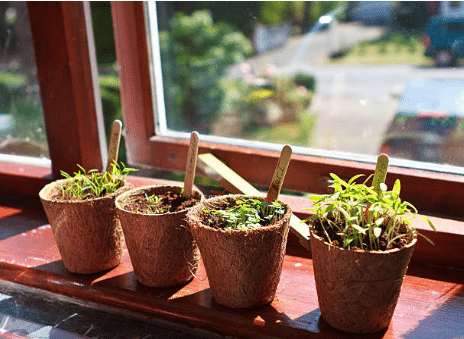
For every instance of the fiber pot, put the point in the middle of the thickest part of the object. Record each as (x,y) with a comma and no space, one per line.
(161,247)
(243,266)
(88,234)
(358,290)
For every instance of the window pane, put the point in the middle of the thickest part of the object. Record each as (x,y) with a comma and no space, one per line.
(346,80)
(22,130)
(107,69)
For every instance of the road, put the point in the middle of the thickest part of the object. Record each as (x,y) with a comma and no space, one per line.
(354,104)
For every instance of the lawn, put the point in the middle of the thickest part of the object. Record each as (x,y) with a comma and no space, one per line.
(390,48)
(298,133)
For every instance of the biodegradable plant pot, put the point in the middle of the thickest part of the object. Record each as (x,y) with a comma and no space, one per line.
(88,234)
(161,247)
(358,290)
(243,266)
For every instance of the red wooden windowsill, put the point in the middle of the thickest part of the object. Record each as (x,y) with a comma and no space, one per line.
(431,301)
(27,180)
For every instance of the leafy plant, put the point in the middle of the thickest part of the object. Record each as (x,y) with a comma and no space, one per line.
(86,185)
(358,216)
(247,214)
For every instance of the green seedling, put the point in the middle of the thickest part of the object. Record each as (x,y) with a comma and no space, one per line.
(86,185)
(248,214)
(362,215)
(154,204)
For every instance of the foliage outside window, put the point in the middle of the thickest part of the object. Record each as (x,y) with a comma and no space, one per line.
(21,122)
(201,51)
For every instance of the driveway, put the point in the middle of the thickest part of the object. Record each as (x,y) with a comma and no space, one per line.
(354,104)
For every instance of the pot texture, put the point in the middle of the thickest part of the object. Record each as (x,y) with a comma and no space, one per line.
(88,234)
(243,266)
(358,290)
(161,247)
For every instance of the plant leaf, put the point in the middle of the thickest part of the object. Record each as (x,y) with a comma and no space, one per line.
(359,228)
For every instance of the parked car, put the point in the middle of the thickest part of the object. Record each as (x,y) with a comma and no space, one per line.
(443,40)
(429,124)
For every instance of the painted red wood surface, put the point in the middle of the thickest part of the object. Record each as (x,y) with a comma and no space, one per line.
(431,303)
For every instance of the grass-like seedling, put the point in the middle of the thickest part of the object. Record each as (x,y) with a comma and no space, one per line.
(86,185)
(154,204)
(356,216)
(247,214)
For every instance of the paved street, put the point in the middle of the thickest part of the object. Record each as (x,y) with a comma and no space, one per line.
(354,104)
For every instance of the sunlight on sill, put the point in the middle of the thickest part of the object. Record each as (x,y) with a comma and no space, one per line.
(25,160)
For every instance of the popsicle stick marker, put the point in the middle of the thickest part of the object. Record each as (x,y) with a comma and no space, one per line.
(191,165)
(115,139)
(380,173)
(279,174)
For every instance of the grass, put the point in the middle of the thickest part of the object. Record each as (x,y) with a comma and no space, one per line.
(13,79)
(296,133)
(390,48)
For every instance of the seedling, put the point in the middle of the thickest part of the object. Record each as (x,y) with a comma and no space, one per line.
(248,214)
(154,204)
(363,217)
(85,185)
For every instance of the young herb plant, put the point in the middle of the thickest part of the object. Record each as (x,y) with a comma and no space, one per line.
(356,216)
(154,204)
(85,185)
(247,214)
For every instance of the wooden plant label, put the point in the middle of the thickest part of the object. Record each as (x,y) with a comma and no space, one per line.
(380,173)
(115,139)
(191,165)
(279,174)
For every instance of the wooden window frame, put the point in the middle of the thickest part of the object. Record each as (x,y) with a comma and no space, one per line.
(67,75)
(68,79)
(430,192)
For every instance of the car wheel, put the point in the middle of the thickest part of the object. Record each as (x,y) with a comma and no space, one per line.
(444,58)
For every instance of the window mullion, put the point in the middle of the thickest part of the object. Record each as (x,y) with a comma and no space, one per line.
(67,73)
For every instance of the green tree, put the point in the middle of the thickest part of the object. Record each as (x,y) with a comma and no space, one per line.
(195,53)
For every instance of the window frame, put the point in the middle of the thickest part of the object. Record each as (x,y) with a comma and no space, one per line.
(68,78)
(306,173)
(431,192)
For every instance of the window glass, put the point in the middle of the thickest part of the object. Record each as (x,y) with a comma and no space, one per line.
(338,79)
(107,69)
(22,132)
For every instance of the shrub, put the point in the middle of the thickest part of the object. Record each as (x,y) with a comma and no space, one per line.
(195,53)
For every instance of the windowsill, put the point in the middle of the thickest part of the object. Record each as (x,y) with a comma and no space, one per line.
(431,301)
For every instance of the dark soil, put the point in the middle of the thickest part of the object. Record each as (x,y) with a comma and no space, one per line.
(170,202)
(337,240)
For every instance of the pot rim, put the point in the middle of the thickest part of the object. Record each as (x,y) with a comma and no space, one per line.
(233,197)
(140,189)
